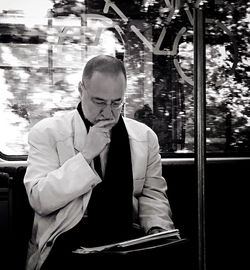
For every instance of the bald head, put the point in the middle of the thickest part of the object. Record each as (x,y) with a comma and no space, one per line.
(104,64)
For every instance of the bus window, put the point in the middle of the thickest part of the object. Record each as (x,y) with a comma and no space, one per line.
(43,51)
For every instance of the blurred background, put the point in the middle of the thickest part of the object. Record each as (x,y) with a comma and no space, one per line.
(45,44)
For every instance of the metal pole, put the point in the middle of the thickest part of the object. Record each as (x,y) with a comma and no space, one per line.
(50,51)
(200,127)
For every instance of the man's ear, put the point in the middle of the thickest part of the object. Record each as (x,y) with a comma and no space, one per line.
(80,88)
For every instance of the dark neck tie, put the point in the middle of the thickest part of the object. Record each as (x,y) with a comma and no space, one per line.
(98,166)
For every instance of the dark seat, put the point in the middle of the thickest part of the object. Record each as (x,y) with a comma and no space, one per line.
(20,218)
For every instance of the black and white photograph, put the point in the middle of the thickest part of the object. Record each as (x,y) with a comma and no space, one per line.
(124,134)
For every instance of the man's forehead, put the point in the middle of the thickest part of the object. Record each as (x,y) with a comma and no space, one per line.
(101,81)
(101,74)
(106,87)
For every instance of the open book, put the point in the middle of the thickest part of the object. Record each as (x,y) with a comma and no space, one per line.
(130,243)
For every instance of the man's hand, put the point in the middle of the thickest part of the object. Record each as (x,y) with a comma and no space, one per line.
(97,139)
(154,230)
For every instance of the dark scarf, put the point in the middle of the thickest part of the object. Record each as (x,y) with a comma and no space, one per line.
(110,209)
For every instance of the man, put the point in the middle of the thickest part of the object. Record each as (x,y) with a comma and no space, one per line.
(93,174)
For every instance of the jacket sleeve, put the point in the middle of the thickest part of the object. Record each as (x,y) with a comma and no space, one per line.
(49,185)
(154,207)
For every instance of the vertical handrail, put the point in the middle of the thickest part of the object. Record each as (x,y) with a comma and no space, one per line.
(50,51)
(200,127)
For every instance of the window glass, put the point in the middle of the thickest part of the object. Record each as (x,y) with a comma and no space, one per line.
(228,70)
(43,51)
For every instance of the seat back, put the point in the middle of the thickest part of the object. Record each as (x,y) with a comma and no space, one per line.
(20,216)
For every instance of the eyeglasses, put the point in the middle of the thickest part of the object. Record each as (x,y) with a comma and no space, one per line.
(102,104)
(115,105)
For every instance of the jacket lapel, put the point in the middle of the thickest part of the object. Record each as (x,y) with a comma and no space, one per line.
(79,131)
(74,142)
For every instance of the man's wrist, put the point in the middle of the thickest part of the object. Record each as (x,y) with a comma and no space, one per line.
(88,159)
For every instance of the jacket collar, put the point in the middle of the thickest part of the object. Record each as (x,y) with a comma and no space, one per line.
(80,131)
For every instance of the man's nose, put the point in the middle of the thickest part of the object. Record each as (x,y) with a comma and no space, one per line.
(107,112)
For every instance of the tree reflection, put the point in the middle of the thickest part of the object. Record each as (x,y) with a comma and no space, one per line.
(42,59)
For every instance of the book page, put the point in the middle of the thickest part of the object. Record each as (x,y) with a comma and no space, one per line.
(132,242)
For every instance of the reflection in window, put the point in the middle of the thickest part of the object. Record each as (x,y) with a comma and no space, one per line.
(42,55)
(228,96)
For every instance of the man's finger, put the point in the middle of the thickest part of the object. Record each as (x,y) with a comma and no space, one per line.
(105,123)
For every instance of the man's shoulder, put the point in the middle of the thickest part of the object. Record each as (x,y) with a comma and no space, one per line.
(138,130)
(134,123)
(58,124)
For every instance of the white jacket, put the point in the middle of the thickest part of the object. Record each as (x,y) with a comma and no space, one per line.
(59,181)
